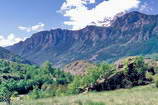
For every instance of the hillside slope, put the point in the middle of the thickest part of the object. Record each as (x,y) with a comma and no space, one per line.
(7,55)
(129,35)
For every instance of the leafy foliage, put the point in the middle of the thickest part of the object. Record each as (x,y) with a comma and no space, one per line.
(50,91)
(156,80)
(23,78)
(103,70)
(5,93)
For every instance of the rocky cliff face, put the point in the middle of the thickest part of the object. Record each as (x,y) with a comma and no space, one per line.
(131,34)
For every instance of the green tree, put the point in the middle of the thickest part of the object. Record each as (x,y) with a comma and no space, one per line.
(47,67)
(103,70)
(5,94)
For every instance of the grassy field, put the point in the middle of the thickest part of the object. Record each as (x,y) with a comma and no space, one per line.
(144,95)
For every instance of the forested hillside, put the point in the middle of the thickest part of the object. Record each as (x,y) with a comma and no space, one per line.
(22,79)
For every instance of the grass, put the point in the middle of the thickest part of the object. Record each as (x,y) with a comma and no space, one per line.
(143,95)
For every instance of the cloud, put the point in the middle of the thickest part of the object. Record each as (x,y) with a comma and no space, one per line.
(38,27)
(9,40)
(145,7)
(80,15)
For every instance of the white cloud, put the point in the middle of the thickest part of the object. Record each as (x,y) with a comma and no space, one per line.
(9,40)
(27,29)
(145,7)
(80,15)
(38,27)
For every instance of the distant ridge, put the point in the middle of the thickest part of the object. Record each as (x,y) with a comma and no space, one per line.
(7,55)
(131,34)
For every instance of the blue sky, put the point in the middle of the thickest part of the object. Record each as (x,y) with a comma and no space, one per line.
(14,13)
(17,17)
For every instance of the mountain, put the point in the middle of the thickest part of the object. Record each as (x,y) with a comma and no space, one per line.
(131,34)
(7,55)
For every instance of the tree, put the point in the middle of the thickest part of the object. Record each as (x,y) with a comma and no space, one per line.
(47,67)
(5,94)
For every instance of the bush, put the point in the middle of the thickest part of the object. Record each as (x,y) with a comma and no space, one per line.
(37,94)
(73,88)
(5,94)
(149,76)
(156,80)
(48,91)
(156,83)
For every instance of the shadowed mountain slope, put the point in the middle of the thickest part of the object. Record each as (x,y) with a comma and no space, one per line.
(7,55)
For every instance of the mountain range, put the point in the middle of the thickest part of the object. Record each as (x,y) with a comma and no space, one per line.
(131,34)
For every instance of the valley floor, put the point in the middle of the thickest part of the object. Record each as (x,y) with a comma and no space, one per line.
(144,95)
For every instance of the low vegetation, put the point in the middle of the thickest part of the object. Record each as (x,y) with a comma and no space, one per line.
(142,95)
(24,79)
(47,82)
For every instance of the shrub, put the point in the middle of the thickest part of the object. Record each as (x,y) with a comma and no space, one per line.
(149,76)
(5,94)
(156,80)
(35,94)
(73,88)
(48,91)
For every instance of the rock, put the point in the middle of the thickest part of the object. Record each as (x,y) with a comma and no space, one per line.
(78,67)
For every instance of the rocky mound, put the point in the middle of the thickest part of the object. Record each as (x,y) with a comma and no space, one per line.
(152,64)
(120,64)
(78,67)
(130,72)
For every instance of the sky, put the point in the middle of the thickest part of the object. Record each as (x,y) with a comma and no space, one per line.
(19,19)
